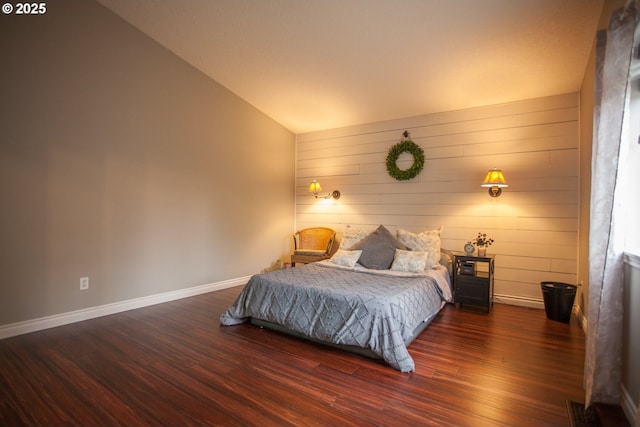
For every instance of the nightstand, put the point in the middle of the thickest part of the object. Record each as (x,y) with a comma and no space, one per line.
(473,281)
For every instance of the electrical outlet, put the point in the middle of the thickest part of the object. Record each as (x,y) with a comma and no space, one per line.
(84,283)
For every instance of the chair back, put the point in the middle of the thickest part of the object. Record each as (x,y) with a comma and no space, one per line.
(314,238)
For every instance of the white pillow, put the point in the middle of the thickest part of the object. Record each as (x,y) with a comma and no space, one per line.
(410,261)
(346,258)
(353,236)
(426,241)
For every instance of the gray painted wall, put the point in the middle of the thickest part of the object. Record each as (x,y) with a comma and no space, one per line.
(123,163)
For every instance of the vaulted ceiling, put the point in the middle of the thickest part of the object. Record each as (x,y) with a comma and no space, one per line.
(321,64)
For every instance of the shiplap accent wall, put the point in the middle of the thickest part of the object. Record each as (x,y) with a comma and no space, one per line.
(535,221)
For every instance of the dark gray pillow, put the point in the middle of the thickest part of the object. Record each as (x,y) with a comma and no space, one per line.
(378,249)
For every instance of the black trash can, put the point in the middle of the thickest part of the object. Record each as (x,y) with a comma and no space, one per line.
(558,300)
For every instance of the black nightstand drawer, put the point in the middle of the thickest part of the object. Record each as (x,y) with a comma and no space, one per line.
(472,287)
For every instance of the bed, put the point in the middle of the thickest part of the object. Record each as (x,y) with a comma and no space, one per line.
(376,311)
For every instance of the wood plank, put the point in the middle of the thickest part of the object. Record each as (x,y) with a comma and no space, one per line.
(541,136)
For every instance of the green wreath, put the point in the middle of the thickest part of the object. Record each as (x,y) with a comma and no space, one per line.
(394,153)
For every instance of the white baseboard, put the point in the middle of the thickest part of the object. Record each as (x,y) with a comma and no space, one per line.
(629,408)
(521,301)
(538,303)
(582,318)
(47,322)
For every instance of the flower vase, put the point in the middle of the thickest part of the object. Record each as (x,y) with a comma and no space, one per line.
(482,251)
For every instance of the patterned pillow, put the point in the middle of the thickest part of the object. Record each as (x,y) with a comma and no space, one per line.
(353,236)
(427,241)
(345,258)
(410,261)
(378,249)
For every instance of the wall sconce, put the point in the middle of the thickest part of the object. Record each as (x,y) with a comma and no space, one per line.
(495,181)
(315,188)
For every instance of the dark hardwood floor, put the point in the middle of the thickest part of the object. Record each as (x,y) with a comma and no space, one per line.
(173,364)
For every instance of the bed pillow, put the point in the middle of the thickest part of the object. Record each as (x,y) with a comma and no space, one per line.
(345,258)
(410,261)
(352,237)
(378,249)
(427,241)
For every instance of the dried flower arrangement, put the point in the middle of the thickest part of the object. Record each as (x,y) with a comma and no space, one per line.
(482,240)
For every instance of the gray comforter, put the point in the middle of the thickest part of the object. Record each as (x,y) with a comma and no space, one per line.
(358,308)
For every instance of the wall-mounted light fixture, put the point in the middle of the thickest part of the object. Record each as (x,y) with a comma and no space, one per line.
(315,188)
(495,181)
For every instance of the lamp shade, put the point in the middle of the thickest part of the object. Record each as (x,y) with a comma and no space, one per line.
(314,187)
(494,178)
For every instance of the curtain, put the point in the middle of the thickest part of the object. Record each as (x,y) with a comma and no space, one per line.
(603,358)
